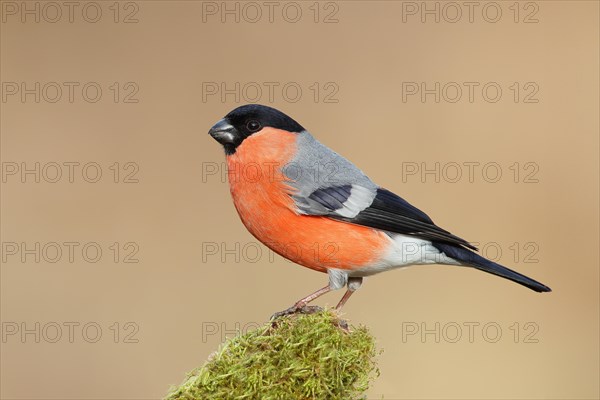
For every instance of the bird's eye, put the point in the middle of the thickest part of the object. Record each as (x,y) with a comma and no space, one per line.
(253,125)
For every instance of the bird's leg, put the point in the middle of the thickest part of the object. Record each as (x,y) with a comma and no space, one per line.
(300,305)
(353,285)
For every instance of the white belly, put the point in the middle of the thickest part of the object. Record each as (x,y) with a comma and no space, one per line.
(404,251)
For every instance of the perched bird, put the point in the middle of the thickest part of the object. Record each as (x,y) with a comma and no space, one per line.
(314,207)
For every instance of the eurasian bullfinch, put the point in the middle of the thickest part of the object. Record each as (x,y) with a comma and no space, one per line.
(315,208)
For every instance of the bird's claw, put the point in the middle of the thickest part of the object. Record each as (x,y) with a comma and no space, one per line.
(297,309)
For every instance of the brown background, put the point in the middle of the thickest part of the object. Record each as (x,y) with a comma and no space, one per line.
(177,299)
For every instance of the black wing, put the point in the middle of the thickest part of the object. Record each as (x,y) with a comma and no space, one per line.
(388,212)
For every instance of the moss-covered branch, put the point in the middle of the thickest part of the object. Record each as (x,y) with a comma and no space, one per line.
(314,356)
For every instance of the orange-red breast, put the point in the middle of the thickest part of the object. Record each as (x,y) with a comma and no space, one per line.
(314,207)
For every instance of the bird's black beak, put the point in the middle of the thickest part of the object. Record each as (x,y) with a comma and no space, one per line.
(224,133)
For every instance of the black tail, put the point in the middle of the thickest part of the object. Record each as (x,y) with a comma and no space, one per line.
(476,261)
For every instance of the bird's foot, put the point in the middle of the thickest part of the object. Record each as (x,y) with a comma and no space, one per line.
(342,324)
(298,308)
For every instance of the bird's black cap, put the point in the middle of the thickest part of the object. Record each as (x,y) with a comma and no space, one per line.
(248,120)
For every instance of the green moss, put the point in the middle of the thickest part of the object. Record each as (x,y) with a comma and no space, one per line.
(302,356)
